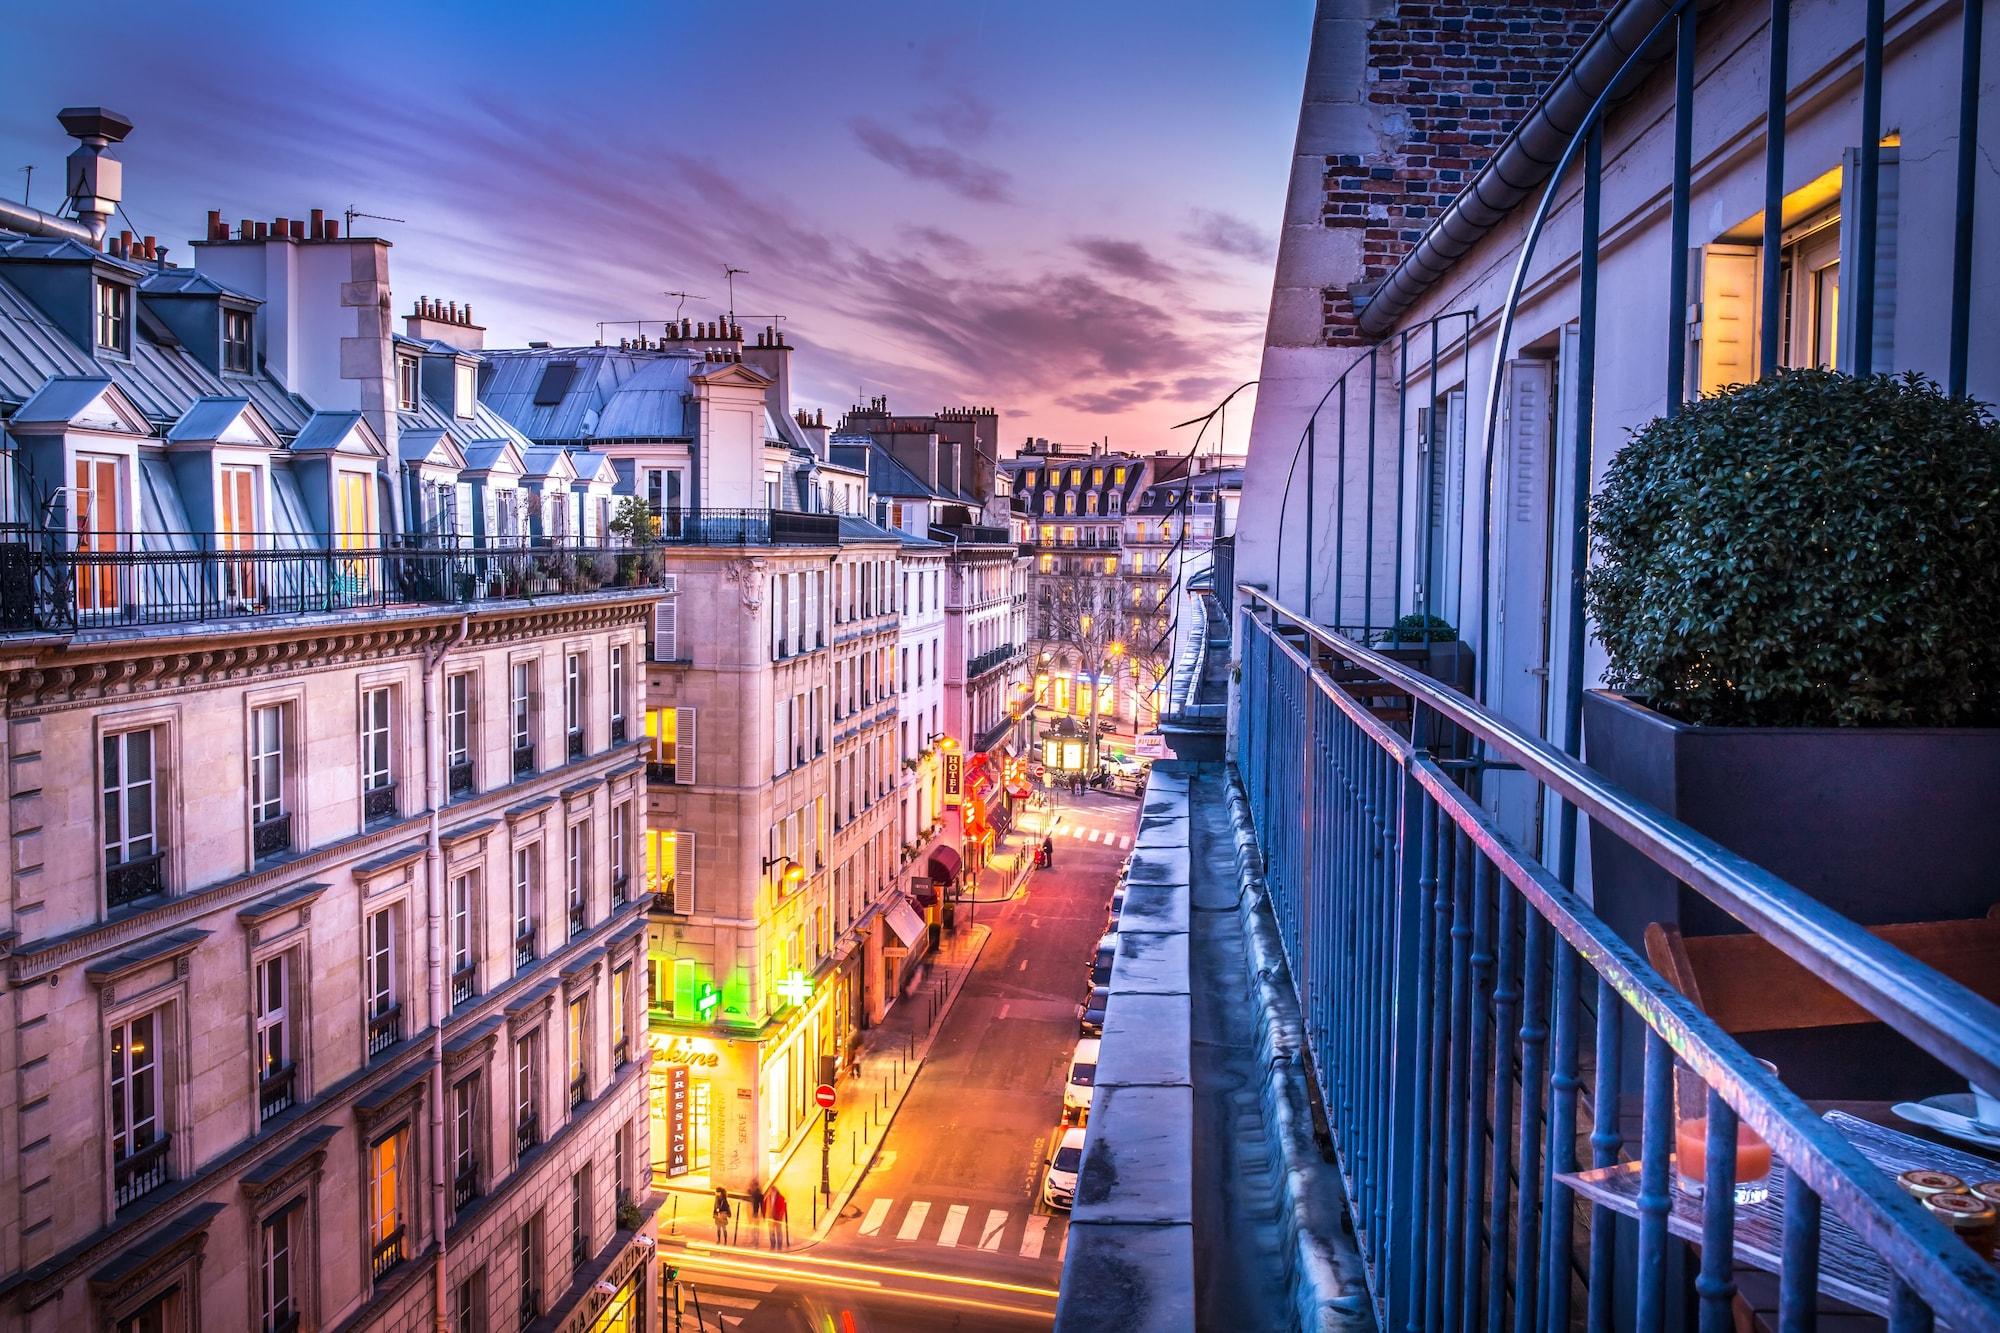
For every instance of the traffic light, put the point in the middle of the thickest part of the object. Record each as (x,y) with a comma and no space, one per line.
(673,1273)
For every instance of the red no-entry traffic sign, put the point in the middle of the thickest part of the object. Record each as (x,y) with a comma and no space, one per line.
(823,1094)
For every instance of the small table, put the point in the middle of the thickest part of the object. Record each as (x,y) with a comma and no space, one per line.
(1849,1269)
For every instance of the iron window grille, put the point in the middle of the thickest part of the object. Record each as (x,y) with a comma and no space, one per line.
(385,1030)
(127,882)
(389,1252)
(463,986)
(459,779)
(379,803)
(271,837)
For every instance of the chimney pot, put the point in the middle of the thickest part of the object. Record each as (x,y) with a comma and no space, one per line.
(215,232)
(468,312)
(282,228)
(152,247)
(249,229)
(318,223)
(299,230)
(332,230)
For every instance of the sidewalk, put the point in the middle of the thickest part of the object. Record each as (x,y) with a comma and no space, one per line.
(891,1054)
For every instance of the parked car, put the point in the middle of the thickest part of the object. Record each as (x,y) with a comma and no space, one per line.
(1091,1021)
(1117,904)
(1107,953)
(1059,1185)
(1082,1083)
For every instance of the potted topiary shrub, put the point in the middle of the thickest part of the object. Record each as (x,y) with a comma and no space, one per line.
(1795,582)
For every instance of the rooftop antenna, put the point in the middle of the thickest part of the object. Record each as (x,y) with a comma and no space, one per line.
(730,271)
(28,189)
(685,297)
(353,213)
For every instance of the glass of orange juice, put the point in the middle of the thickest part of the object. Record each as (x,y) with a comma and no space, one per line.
(1753,1155)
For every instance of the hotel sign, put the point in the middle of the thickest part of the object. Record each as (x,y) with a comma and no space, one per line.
(677,1120)
(954,776)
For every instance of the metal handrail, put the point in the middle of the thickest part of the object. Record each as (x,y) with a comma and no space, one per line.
(1875,975)
(1937,1012)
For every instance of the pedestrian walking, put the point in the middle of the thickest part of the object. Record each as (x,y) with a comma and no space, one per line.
(756,1204)
(1048,851)
(721,1215)
(780,1214)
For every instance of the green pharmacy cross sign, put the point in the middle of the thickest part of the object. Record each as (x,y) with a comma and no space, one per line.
(706,1002)
(795,988)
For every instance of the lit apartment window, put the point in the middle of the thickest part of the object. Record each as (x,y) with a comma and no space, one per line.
(1118,476)
(465,389)
(277,1063)
(617,677)
(464,975)
(458,733)
(670,869)
(573,703)
(1049,503)
(406,383)
(464,1141)
(385,1009)
(114,316)
(270,824)
(579,874)
(527,1091)
(236,327)
(132,853)
(378,778)
(521,677)
(277,1288)
(139,1141)
(526,872)
(579,1051)
(386,1234)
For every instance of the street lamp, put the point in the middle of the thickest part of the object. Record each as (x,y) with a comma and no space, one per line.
(790,873)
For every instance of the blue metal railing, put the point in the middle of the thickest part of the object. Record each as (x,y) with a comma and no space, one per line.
(1455,993)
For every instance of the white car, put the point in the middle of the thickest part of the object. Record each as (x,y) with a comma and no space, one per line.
(1082,1083)
(1059,1186)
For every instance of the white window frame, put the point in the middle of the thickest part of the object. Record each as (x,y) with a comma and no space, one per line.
(408,391)
(267,762)
(573,687)
(378,737)
(521,706)
(282,1226)
(276,1032)
(113,325)
(576,858)
(121,840)
(380,992)
(461,894)
(125,1074)
(458,694)
(526,871)
(399,1211)
(615,674)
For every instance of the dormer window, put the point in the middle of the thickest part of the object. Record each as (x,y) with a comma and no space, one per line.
(114,316)
(465,389)
(406,383)
(236,341)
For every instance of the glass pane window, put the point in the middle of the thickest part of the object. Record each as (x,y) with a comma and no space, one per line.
(236,329)
(618,684)
(406,383)
(458,718)
(274,1043)
(274,1261)
(461,922)
(465,1128)
(128,791)
(135,1086)
(114,316)
(573,693)
(267,763)
(381,964)
(522,702)
(385,1189)
(375,752)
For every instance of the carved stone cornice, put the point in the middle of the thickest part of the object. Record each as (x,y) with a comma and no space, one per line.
(80,673)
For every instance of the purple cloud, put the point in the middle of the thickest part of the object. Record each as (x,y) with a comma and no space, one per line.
(1125,259)
(1228,235)
(964,119)
(925,162)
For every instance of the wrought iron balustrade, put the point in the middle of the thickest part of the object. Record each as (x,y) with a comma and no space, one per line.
(465,1183)
(747,527)
(385,1030)
(388,1252)
(1453,987)
(576,922)
(576,744)
(378,804)
(271,837)
(659,772)
(524,950)
(141,1171)
(458,778)
(130,881)
(579,1091)
(276,1091)
(135,579)
(617,731)
(464,985)
(621,887)
(524,759)
(528,1132)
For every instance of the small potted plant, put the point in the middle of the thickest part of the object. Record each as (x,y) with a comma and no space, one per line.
(1795,582)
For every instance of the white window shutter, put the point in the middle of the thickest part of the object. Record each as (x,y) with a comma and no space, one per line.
(1888,195)
(666,630)
(684,872)
(684,746)
(670,584)
(1725,329)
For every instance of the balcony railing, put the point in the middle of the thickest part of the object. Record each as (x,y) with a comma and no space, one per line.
(160,578)
(576,922)
(659,772)
(465,1183)
(990,660)
(464,985)
(747,527)
(527,1133)
(276,1091)
(617,731)
(524,950)
(1453,986)
(575,746)
(389,1251)
(458,779)
(385,1030)
(524,759)
(379,803)
(621,886)
(142,1171)
(127,882)
(579,1090)
(271,837)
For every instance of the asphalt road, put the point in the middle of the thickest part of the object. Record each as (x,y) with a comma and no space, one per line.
(947,1230)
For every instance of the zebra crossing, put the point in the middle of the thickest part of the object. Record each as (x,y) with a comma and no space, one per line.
(1122,841)
(959,1226)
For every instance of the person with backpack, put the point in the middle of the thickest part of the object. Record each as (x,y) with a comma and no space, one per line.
(721,1215)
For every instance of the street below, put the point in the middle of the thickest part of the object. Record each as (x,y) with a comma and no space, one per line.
(947,1229)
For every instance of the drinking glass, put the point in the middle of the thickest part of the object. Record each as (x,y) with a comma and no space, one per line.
(1753,1155)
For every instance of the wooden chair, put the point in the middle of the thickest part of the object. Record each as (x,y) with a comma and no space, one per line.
(1747,984)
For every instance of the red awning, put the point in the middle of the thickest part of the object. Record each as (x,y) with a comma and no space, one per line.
(945,864)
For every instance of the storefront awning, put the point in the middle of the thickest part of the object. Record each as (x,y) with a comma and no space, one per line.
(945,864)
(903,919)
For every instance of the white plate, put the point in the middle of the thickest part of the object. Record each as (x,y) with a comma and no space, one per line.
(1949,1113)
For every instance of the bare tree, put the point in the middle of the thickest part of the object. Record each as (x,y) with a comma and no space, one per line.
(1084,619)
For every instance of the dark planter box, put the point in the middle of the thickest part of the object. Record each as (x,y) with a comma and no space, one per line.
(1881,824)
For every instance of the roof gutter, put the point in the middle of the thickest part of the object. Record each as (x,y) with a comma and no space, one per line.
(1528,154)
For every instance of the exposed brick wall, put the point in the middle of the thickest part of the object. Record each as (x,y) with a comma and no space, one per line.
(1446,82)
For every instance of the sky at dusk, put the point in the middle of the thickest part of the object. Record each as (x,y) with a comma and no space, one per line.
(1066,211)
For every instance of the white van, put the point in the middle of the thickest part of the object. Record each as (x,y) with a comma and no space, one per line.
(1082,1080)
